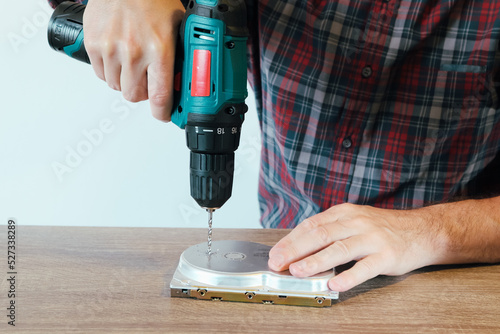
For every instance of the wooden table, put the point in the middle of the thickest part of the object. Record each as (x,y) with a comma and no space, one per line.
(92,279)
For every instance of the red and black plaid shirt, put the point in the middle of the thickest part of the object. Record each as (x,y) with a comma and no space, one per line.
(382,102)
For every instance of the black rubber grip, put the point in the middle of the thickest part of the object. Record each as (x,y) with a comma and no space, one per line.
(65,30)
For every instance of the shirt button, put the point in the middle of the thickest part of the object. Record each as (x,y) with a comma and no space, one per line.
(367,72)
(347,143)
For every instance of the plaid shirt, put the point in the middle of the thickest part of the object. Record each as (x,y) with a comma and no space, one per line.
(389,103)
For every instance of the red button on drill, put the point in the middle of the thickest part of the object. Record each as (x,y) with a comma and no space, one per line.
(201,73)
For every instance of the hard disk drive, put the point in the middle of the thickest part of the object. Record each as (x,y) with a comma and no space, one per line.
(238,271)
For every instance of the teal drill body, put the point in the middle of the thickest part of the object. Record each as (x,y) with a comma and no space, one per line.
(215,63)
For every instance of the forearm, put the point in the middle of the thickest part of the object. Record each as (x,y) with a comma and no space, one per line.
(466,231)
(390,242)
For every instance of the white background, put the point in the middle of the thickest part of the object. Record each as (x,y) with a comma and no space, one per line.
(135,175)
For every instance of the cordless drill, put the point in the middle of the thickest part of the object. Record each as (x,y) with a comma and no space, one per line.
(209,87)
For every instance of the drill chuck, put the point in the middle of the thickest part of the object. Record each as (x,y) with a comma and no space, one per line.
(212,140)
(211,178)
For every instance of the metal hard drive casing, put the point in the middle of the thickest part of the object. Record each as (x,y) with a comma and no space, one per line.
(238,271)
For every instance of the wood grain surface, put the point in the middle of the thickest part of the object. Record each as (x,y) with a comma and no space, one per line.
(90,279)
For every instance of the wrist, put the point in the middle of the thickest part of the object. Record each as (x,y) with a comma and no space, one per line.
(436,220)
(463,232)
(430,241)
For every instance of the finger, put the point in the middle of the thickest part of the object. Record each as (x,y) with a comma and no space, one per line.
(97,65)
(160,84)
(92,46)
(340,252)
(112,73)
(292,243)
(333,214)
(134,82)
(362,271)
(298,232)
(312,241)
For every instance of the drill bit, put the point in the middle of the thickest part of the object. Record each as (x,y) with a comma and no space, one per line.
(209,249)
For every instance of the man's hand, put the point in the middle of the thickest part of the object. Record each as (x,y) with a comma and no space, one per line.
(131,45)
(389,242)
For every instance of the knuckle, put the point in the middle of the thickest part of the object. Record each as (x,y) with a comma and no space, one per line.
(133,53)
(360,222)
(91,46)
(367,267)
(311,264)
(273,251)
(333,209)
(127,96)
(345,206)
(309,224)
(130,97)
(159,99)
(281,245)
(161,113)
(163,117)
(157,46)
(340,247)
(135,95)
(290,252)
(390,255)
(108,48)
(114,86)
(322,234)
(91,41)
